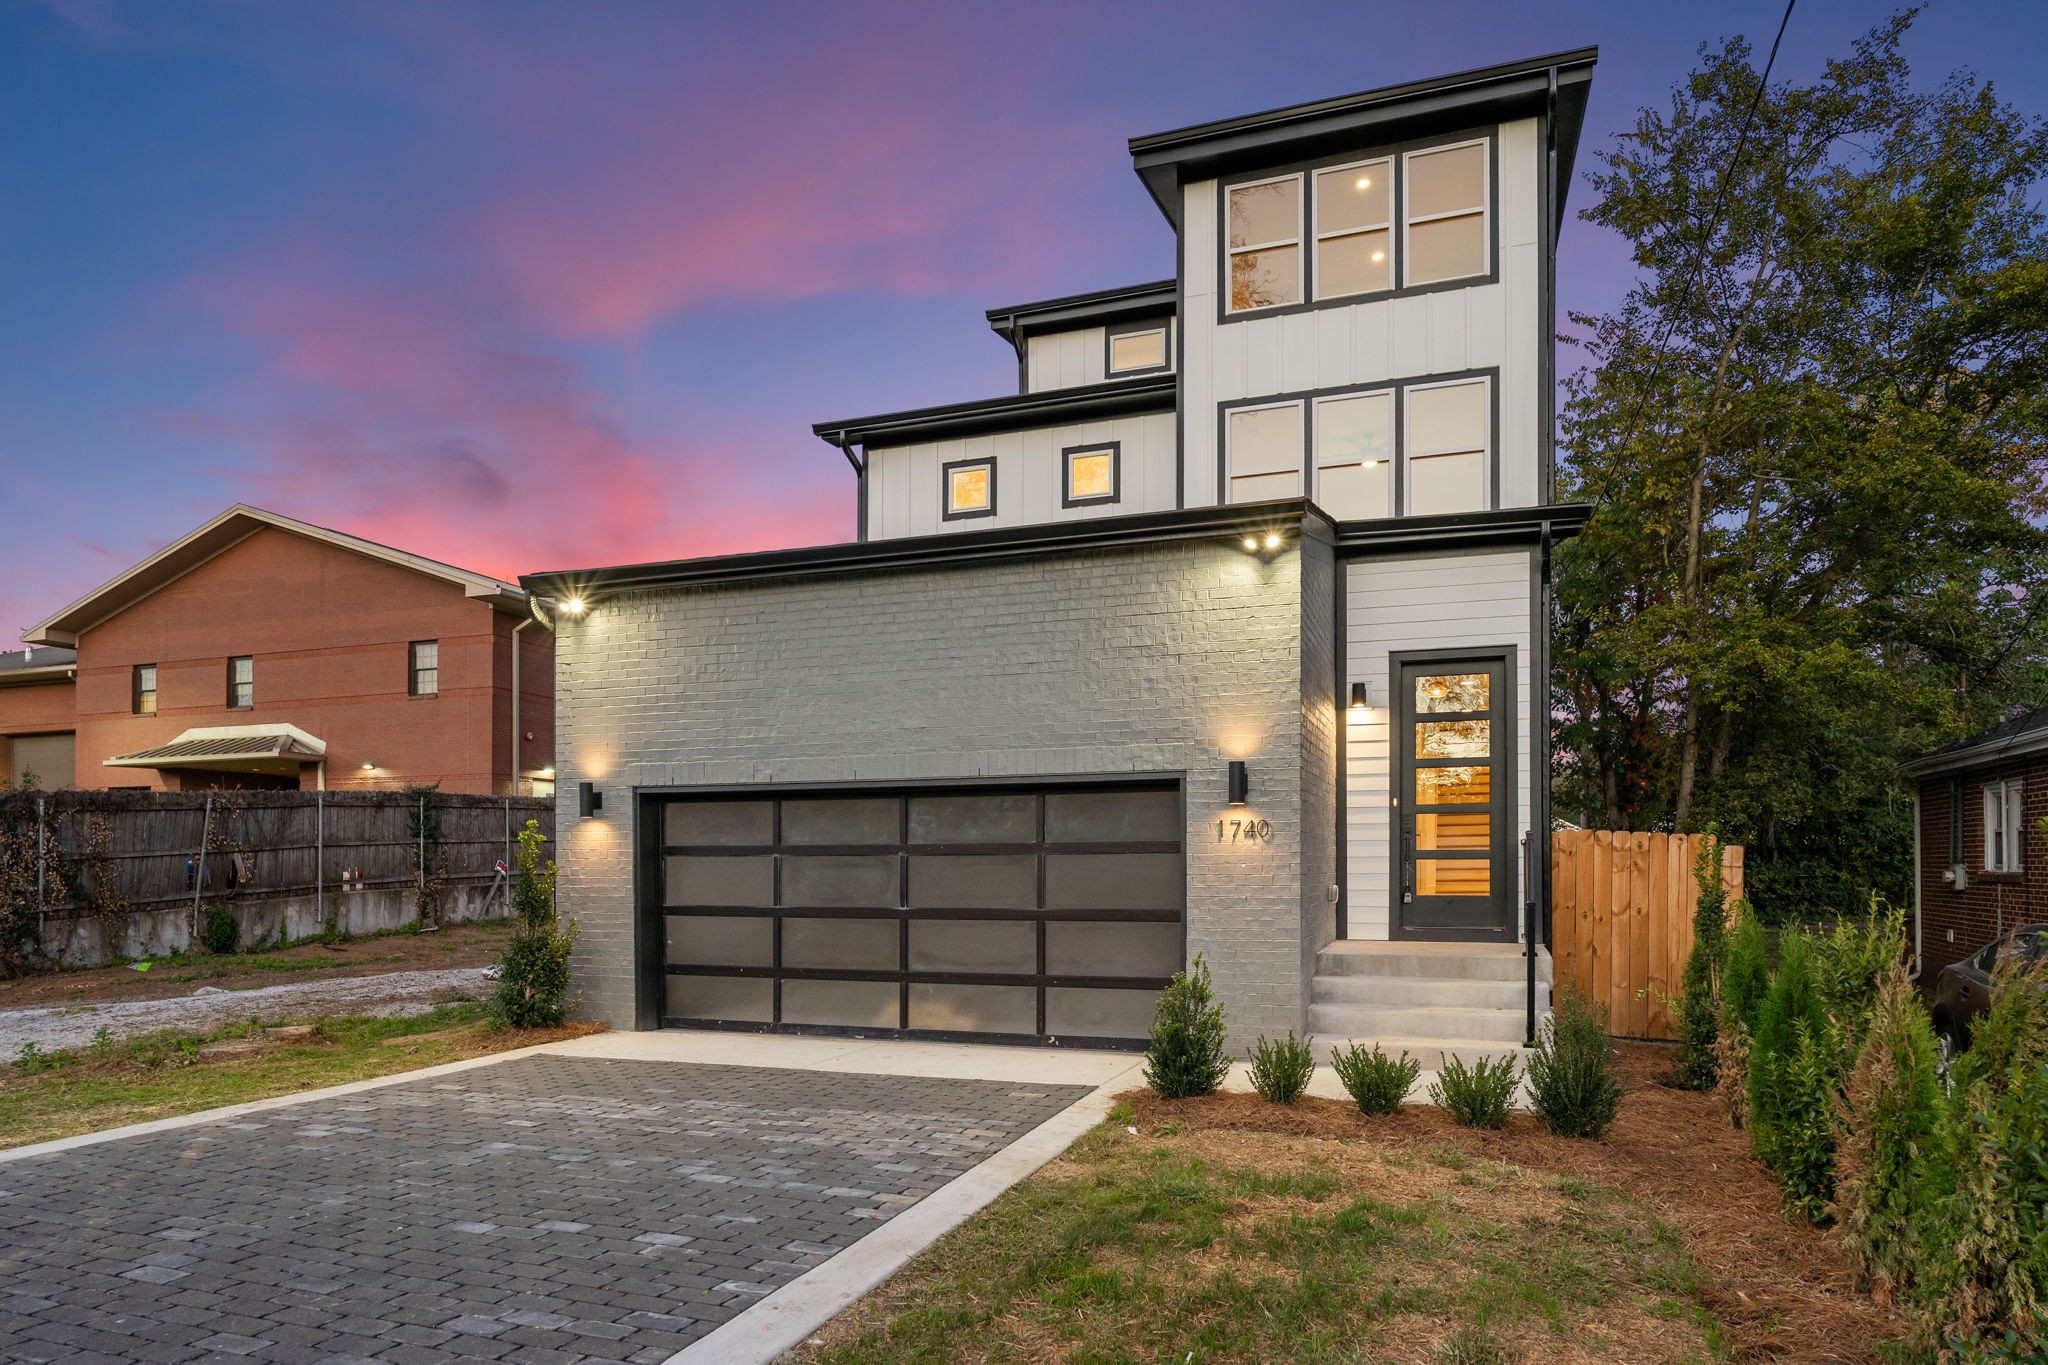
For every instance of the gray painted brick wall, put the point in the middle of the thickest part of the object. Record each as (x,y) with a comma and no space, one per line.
(1166,657)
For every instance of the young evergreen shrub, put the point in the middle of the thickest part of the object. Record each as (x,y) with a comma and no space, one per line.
(1281,1068)
(1802,1141)
(1476,1096)
(1698,1004)
(1572,1085)
(2011,1037)
(1852,960)
(1187,1056)
(533,980)
(1792,1003)
(1378,1082)
(1745,968)
(219,931)
(1894,1166)
(1999,1289)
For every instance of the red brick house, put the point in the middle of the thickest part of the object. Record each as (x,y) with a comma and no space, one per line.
(260,651)
(1982,860)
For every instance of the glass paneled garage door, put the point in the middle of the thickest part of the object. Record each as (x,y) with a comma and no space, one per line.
(1038,913)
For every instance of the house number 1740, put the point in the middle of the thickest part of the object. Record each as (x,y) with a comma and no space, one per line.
(1243,831)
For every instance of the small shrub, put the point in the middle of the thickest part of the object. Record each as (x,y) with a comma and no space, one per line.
(1698,1004)
(533,980)
(1476,1096)
(1378,1083)
(1745,968)
(102,1047)
(1187,1056)
(1802,1143)
(1281,1068)
(1572,1086)
(1892,1136)
(1792,1003)
(2001,1259)
(33,1059)
(219,930)
(1852,960)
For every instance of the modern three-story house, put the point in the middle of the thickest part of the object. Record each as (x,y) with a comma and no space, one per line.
(1224,635)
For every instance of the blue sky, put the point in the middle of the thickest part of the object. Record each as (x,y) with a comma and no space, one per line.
(528,286)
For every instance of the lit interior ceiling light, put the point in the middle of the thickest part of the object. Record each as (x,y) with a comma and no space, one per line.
(1365,182)
(1379,255)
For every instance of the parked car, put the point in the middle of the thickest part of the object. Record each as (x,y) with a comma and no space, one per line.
(1963,990)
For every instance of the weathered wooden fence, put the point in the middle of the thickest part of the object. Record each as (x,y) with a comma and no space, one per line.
(1621,910)
(126,873)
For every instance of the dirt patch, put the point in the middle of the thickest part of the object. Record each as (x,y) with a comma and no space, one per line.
(1781,1290)
(458,945)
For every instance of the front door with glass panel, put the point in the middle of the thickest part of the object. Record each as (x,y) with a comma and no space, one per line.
(1454,782)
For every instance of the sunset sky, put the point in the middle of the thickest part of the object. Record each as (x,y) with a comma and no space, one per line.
(528,286)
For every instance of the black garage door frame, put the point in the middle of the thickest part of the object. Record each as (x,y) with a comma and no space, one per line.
(652,929)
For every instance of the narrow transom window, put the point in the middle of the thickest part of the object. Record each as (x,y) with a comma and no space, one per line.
(1445,208)
(1264,234)
(1265,452)
(242,681)
(143,689)
(426,668)
(970,488)
(1447,442)
(1354,444)
(1133,352)
(1091,475)
(2004,826)
(1354,229)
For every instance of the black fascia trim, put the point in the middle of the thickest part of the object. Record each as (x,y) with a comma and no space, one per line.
(1502,526)
(1011,412)
(1496,94)
(945,548)
(946,510)
(1022,320)
(1116,473)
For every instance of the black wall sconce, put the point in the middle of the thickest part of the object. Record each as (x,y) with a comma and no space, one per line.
(589,800)
(1359,699)
(1240,782)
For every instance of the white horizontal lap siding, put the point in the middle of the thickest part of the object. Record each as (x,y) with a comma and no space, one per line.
(1452,601)
(1485,327)
(905,496)
(1065,360)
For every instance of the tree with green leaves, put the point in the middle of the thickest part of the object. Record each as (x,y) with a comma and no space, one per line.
(1815,434)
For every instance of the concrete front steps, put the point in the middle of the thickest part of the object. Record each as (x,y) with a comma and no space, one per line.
(1428,999)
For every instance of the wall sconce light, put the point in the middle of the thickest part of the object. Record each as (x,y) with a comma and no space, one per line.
(1359,700)
(575,606)
(1254,543)
(589,800)
(1240,782)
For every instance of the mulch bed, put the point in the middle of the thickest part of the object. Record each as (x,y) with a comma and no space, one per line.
(1779,1289)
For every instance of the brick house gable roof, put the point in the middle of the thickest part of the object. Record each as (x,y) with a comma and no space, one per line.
(2014,738)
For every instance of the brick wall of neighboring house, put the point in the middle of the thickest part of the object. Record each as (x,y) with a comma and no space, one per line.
(1166,657)
(34,709)
(330,632)
(1956,923)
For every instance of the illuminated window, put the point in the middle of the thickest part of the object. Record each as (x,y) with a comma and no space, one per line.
(1354,443)
(1447,447)
(1354,229)
(1137,351)
(1264,446)
(1091,474)
(1265,243)
(970,487)
(143,689)
(426,668)
(1445,209)
(241,682)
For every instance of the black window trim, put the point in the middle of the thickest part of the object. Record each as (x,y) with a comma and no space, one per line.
(1115,450)
(136,690)
(946,512)
(413,669)
(1162,325)
(1399,388)
(1306,170)
(250,704)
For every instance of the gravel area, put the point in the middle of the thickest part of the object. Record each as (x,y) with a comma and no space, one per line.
(393,995)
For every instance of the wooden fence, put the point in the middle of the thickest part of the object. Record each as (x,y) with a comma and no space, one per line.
(1621,910)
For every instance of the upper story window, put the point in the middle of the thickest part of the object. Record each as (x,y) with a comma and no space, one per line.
(241,682)
(970,488)
(1373,225)
(1091,474)
(1265,243)
(1137,350)
(1446,212)
(2004,825)
(1440,433)
(142,690)
(425,668)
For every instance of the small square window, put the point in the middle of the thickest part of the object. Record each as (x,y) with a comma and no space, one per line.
(143,689)
(1136,351)
(970,488)
(1092,474)
(426,668)
(241,682)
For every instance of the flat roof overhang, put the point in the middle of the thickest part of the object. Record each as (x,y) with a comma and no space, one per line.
(279,750)
(1515,525)
(1011,412)
(1492,94)
(1130,303)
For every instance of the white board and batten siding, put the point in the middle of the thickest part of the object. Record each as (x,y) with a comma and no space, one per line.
(1068,360)
(1487,326)
(1475,601)
(904,491)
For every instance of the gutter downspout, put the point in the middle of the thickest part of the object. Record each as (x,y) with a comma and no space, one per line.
(860,474)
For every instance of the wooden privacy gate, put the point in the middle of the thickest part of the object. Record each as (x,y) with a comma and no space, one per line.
(1621,908)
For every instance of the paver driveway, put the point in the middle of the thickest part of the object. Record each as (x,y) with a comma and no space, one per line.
(544,1209)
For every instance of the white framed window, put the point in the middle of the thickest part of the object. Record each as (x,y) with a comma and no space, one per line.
(1264,451)
(969,487)
(1354,448)
(1354,227)
(1262,227)
(1137,350)
(1091,474)
(1444,209)
(2004,825)
(1448,446)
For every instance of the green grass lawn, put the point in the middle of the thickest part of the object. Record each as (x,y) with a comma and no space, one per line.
(111,1084)
(1261,1247)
